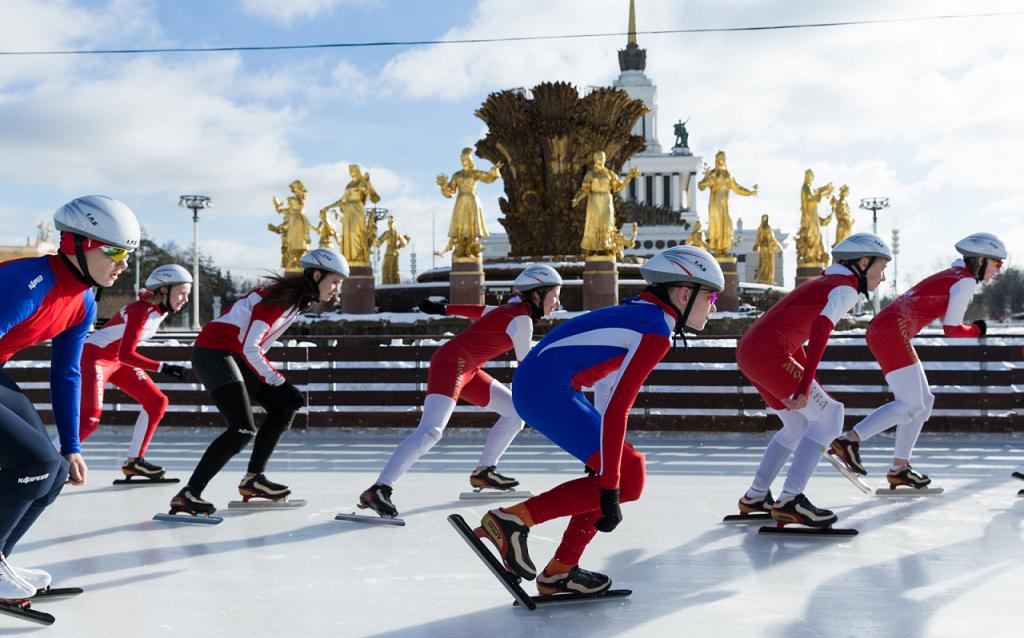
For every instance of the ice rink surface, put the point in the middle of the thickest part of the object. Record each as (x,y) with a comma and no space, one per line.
(947,565)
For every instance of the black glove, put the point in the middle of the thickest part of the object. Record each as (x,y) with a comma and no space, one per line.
(292,395)
(982,326)
(611,515)
(178,372)
(433,307)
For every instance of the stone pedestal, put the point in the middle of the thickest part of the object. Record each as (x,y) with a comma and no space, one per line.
(805,272)
(729,299)
(600,282)
(466,281)
(357,293)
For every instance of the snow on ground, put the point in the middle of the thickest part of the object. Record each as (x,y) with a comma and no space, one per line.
(946,565)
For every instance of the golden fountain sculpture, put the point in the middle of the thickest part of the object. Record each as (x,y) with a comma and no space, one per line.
(355,240)
(720,181)
(766,247)
(467,225)
(841,211)
(696,237)
(394,241)
(600,235)
(294,229)
(810,251)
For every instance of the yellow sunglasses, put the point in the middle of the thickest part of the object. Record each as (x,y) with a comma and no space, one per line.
(114,253)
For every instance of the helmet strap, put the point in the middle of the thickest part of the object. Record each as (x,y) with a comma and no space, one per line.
(84,276)
(536,309)
(862,273)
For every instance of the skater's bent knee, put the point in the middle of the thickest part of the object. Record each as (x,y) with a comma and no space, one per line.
(633,477)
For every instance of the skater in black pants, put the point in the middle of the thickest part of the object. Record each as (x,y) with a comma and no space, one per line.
(230,360)
(51,298)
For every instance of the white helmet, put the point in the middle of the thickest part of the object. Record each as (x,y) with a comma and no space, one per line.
(860,245)
(168,275)
(981,245)
(536,276)
(100,218)
(325,259)
(683,265)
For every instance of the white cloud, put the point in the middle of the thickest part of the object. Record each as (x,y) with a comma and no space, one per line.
(287,11)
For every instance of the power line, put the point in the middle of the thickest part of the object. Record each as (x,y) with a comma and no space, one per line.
(531,38)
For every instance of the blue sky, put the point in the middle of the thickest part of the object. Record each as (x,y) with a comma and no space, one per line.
(925,113)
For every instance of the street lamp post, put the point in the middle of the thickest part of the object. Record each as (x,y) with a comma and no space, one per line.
(874,204)
(195,203)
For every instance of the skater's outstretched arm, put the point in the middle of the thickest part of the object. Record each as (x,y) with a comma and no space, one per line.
(635,368)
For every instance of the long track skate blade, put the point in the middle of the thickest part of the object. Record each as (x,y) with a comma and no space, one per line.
(747,518)
(267,505)
(851,476)
(1018,475)
(145,481)
(509,581)
(26,613)
(562,599)
(58,592)
(808,532)
(370,520)
(495,495)
(188,519)
(908,491)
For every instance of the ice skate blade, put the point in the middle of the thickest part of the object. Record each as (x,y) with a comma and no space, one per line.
(808,532)
(24,611)
(908,491)
(188,519)
(370,520)
(562,599)
(758,517)
(1018,475)
(58,592)
(508,580)
(267,505)
(853,477)
(145,481)
(495,495)
(1020,493)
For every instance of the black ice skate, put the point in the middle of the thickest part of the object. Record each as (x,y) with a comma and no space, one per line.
(908,482)
(848,452)
(197,510)
(488,485)
(139,471)
(798,510)
(508,533)
(574,581)
(752,509)
(258,486)
(378,499)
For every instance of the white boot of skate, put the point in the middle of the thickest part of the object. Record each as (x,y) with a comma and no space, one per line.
(12,586)
(35,577)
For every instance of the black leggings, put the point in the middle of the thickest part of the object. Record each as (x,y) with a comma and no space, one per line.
(233,386)
(32,473)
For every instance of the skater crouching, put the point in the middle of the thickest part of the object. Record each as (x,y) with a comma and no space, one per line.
(771,355)
(620,344)
(456,372)
(230,360)
(51,297)
(945,295)
(110,355)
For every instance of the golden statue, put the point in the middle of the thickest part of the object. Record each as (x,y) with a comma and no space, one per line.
(766,246)
(598,185)
(841,211)
(355,241)
(395,241)
(467,225)
(696,238)
(809,248)
(327,231)
(622,242)
(720,181)
(295,228)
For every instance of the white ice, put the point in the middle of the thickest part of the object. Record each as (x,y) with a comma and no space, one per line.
(946,565)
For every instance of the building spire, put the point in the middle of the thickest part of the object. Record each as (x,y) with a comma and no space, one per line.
(632,23)
(632,58)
